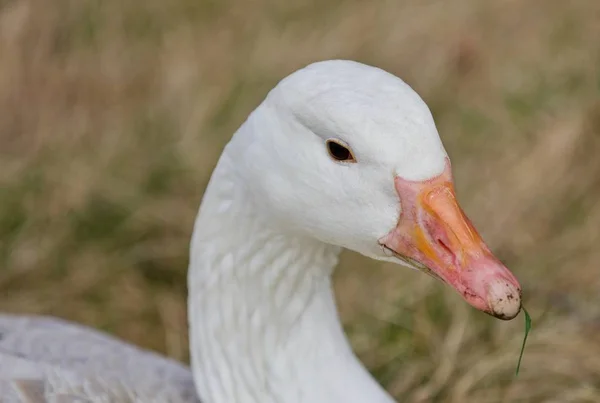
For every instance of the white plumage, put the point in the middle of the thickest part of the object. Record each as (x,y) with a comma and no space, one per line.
(50,360)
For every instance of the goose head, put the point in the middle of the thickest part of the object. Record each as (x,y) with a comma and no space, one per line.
(349,155)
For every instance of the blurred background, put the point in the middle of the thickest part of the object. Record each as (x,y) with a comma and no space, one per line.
(114,112)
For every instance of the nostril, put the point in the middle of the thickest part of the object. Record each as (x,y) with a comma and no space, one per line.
(444,246)
(447,253)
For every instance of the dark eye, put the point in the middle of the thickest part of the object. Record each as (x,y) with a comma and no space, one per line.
(339,151)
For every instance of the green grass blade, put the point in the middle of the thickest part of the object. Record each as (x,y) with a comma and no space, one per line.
(527,329)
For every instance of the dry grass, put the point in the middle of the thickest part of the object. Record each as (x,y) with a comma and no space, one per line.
(113,112)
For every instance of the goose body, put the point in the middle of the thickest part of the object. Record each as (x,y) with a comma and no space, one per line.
(48,360)
(338,155)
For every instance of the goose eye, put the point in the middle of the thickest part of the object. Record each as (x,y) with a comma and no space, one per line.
(339,151)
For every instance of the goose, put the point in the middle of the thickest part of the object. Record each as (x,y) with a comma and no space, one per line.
(338,155)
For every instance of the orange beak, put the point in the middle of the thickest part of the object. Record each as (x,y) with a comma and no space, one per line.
(435,235)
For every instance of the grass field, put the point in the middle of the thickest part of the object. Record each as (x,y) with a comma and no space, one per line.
(113,113)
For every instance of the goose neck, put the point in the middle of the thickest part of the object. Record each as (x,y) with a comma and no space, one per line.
(263,322)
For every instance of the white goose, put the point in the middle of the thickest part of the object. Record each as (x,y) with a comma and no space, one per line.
(339,155)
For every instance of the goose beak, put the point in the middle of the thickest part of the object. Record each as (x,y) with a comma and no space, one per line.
(434,235)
